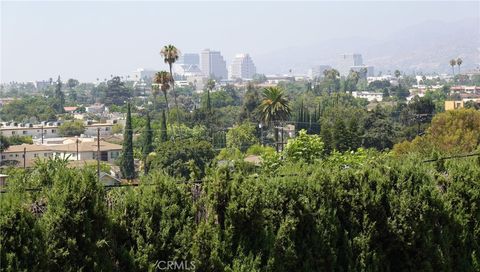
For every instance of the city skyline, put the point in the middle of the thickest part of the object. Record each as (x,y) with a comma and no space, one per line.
(46,39)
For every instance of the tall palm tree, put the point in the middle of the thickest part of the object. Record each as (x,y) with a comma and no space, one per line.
(453,62)
(274,108)
(170,55)
(162,82)
(459,62)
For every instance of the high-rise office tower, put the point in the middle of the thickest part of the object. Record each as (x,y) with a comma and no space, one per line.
(347,61)
(242,67)
(213,64)
(189,59)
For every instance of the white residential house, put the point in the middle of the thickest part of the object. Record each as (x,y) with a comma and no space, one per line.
(50,129)
(370,96)
(76,151)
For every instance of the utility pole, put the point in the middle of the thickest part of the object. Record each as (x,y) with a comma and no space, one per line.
(42,134)
(98,154)
(24,157)
(282,135)
(77,149)
(277,144)
(261,133)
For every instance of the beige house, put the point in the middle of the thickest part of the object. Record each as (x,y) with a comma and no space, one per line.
(81,151)
(50,130)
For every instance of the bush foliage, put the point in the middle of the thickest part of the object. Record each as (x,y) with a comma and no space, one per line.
(355,211)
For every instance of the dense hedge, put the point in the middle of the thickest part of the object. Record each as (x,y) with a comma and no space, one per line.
(365,215)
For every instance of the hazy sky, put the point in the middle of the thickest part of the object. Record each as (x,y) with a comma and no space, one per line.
(86,40)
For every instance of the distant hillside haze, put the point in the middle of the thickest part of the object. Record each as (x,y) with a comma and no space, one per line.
(425,47)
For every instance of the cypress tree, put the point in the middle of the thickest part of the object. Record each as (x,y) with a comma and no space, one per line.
(59,99)
(340,135)
(163,128)
(127,166)
(147,147)
(209,102)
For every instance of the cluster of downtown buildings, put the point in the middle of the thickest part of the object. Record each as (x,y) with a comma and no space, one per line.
(208,64)
(196,68)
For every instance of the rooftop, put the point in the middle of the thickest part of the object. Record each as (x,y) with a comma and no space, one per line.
(82,147)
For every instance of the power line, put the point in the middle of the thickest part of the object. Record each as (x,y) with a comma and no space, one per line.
(453,157)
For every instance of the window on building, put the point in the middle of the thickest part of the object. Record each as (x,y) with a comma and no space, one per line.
(13,132)
(35,155)
(53,131)
(24,132)
(114,154)
(3,157)
(45,154)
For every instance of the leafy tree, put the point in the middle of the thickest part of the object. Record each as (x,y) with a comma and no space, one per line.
(73,128)
(217,99)
(259,78)
(331,80)
(379,131)
(117,128)
(152,223)
(76,224)
(4,143)
(174,157)
(472,105)
(72,83)
(241,137)
(21,240)
(352,81)
(116,92)
(451,132)
(306,148)
(251,101)
(127,165)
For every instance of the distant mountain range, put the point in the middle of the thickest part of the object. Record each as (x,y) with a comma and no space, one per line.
(422,48)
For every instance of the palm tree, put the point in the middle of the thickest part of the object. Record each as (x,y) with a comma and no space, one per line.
(274,108)
(170,55)
(459,62)
(397,74)
(162,82)
(453,62)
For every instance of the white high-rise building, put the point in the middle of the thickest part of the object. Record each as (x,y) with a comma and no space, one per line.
(242,67)
(213,64)
(144,74)
(347,61)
